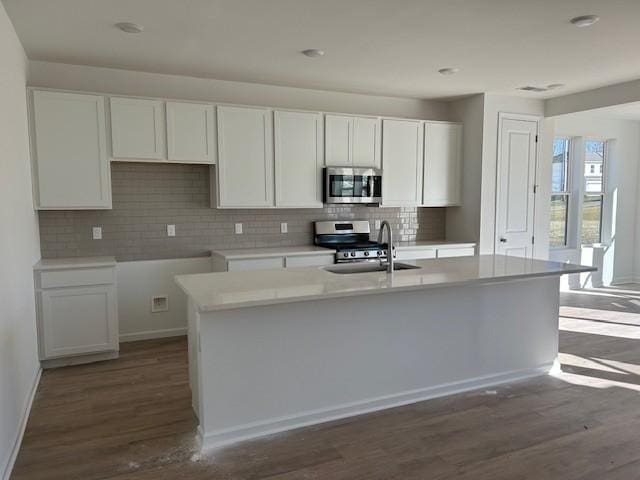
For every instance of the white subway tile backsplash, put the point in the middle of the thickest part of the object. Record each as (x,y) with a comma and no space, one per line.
(147,197)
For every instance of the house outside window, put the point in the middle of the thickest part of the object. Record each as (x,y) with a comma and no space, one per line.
(591,221)
(560,193)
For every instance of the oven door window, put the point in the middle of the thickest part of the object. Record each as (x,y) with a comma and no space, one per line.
(352,186)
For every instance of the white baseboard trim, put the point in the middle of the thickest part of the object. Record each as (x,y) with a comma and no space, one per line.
(623,280)
(150,334)
(224,437)
(8,468)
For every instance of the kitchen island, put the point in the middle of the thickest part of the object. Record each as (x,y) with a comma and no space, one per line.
(273,350)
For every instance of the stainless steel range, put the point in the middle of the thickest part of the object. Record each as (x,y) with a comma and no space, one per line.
(350,239)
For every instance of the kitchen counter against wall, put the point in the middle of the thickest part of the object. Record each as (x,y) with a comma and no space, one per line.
(240,253)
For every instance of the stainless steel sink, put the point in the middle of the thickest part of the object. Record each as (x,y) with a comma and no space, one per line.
(365,267)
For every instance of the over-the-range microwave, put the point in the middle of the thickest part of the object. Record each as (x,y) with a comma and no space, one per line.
(352,185)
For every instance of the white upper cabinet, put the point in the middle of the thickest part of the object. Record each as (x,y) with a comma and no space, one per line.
(338,132)
(298,159)
(245,157)
(402,149)
(191,133)
(71,165)
(137,128)
(442,164)
(352,141)
(366,142)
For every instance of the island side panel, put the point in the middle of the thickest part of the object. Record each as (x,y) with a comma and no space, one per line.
(272,368)
(193,352)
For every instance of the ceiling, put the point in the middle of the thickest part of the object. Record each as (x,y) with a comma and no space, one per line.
(386,47)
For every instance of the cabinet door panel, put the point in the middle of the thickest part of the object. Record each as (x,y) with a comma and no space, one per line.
(70,153)
(137,128)
(442,164)
(191,133)
(310,260)
(298,159)
(456,252)
(255,264)
(366,142)
(402,143)
(245,157)
(338,138)
(79,320)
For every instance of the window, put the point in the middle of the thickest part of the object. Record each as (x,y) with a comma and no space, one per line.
(594,162)
(559,193)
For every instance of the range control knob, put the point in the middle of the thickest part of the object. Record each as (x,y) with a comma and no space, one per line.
(366,254)
(379,253)
(353,254)
(345,254)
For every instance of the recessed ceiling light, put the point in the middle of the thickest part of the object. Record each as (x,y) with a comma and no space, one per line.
(129,27)
(448,71)
(554,86)
(584,20)
(313,52)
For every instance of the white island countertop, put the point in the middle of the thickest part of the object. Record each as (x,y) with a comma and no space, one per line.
(232,290)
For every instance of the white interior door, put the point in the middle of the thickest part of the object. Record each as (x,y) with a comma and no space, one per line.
(515,195)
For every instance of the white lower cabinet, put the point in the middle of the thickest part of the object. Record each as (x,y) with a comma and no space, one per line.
(456,252)
(415,253)
(241,265)
(221,262)
(309,260)
(78,320)
(77,311)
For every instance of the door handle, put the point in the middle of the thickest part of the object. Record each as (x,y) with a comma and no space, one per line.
(503,240)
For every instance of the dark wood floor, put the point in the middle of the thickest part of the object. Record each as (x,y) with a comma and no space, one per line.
(131,419)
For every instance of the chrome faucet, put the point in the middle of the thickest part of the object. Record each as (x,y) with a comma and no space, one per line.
(389,244)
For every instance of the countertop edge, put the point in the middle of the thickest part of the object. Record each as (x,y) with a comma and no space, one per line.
(328,296)
(45,264)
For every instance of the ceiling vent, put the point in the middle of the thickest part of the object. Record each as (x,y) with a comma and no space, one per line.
(529,88)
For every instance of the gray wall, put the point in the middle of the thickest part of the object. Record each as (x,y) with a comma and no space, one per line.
(147,197)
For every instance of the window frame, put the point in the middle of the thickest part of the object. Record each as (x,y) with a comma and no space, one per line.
(567,192)
(602,193)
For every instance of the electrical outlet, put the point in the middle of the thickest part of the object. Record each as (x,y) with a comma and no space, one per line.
(284,227)
(159,303)
(171,230)
(97,233)
(377,224)
(238,229)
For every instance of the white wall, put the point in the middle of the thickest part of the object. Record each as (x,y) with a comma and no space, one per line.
(19,249)
(493,106)
(622,191)
(139,281)
(475,220)
(127,82)
(463,223)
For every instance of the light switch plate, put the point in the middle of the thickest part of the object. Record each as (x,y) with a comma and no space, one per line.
(284,228)
(97,233)
(238,229)
(171,230)
(377,224)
